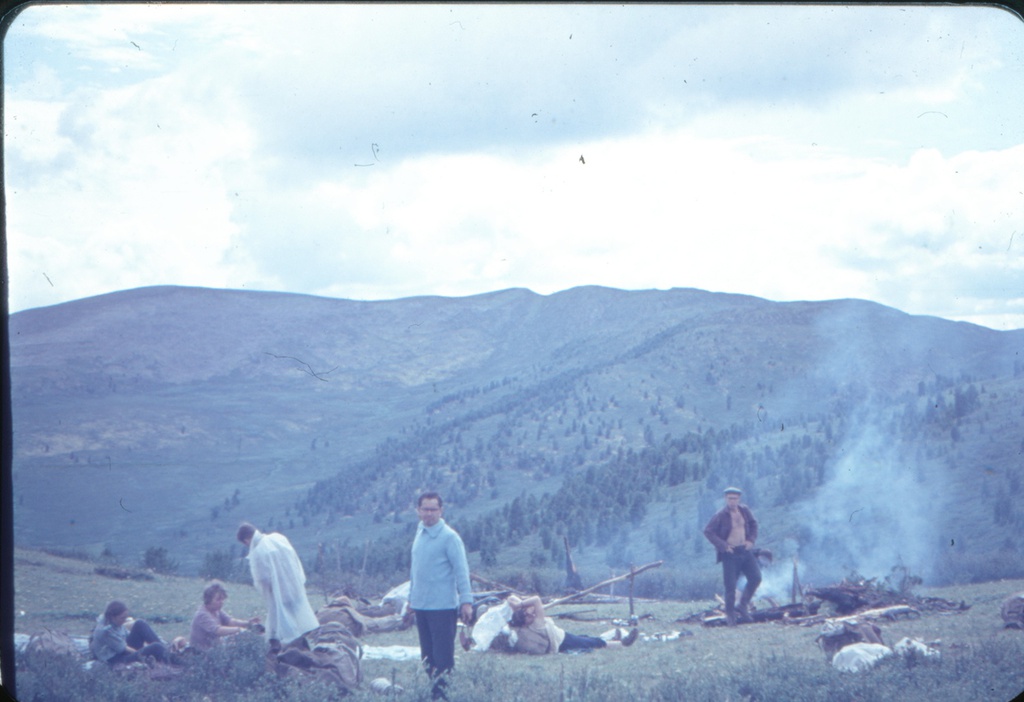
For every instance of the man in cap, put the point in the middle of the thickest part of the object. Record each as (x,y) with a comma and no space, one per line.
(733,532)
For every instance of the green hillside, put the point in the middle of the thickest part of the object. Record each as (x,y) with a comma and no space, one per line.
(864,438)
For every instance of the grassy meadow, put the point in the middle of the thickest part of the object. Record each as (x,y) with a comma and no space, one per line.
(981,660)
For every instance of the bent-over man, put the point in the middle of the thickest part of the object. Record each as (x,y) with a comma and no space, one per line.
(277,572)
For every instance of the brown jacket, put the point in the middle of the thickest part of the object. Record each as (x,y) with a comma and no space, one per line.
(718,528)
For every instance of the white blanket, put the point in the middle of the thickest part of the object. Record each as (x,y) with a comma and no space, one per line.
(858,657)
(491,623)
(391,653)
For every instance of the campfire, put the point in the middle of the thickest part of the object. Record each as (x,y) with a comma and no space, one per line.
(867,598)
(850,597)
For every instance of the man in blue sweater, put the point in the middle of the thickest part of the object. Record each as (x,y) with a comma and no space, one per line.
(438,589)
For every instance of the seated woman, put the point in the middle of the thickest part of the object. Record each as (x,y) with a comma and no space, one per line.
(537,634)
(112,642)
(211,622)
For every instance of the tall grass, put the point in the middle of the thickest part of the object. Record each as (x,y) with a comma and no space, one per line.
(233,672)
(782,678)
(987,669)
(981,660)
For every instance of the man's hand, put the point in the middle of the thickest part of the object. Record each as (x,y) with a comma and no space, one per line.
(749,545)
(467,614)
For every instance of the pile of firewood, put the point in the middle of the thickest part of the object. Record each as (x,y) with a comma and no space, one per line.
(775,613)
(849,597)
(865,598)
(782,613)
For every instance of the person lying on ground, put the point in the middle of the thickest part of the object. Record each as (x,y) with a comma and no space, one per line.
(538,634)
(211,622)
(113,642)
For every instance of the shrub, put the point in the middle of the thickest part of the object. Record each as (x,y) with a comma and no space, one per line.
(48,676)
(45,676)
(235,664)
(221,565)
(156,560)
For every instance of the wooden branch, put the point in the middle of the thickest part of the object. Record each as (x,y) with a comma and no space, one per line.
(881,613)
(572,576)
(632,578)
(603,583)
(575,615)
(795,591)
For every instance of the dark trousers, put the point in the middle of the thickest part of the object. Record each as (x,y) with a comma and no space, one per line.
(580,642)
(739,561)
(145,642)
(437,628)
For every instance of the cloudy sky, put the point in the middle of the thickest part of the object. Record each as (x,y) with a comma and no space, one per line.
(377,152)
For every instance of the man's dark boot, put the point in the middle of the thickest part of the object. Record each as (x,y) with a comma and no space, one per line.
(742,615)
(748,594)
(730,609)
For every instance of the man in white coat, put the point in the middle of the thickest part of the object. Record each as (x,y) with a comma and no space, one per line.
(277,572)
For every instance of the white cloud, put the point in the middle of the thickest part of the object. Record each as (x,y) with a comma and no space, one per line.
(865,158)
(671,210)
(133,193)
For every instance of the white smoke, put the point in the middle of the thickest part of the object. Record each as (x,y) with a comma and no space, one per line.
(777,577)
(873,513)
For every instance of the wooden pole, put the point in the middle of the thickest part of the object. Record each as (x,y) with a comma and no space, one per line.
(632,578)
(572,576)
(796,591)
(362,571)
(603,583)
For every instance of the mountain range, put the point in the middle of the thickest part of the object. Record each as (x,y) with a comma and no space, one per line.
(863,437)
